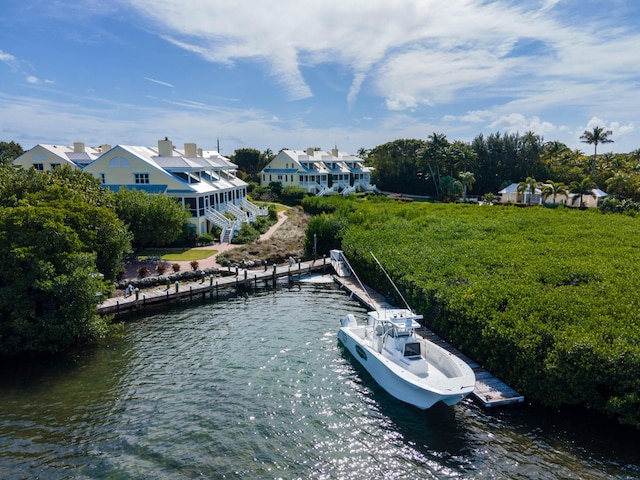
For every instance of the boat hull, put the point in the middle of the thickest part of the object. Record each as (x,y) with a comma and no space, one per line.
(400,384)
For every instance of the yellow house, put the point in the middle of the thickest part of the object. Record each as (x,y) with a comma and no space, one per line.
(318,172)
(47,157)
(204,182)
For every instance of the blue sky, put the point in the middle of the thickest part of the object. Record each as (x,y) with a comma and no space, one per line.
(294,74)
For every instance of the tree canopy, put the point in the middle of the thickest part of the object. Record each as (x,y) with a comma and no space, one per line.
(62,245)
(153,219)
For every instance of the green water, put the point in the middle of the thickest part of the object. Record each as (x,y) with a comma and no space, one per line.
(258,387)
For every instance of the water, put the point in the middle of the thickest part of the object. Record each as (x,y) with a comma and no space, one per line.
(259,388)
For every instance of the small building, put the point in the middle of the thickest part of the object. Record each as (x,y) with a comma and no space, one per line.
(204,182)
(318,172)
(511,194)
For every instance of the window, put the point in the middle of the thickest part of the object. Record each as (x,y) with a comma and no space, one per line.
(55,165)
(141,178)
(38,166)
(103,178)
(411,349)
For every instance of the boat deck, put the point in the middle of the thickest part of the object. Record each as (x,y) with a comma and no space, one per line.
(489,390)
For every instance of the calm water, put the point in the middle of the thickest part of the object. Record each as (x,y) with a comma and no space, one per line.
(258,387)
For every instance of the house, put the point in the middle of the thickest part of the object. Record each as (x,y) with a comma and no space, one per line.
(204,182)
(318,172)
(510,194)
(47,157)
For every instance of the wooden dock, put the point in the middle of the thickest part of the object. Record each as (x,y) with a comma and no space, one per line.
(210,287)
(489,391)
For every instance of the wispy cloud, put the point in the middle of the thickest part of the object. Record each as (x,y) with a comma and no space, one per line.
(159,82)
(8,59)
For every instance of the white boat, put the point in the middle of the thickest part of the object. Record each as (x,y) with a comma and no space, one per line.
(408,366)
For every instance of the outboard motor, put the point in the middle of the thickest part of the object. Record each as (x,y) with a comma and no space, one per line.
(349,320)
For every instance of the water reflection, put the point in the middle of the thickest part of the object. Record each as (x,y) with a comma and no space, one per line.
(259,387)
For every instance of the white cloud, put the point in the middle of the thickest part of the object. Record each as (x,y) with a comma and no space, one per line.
(32,79)
(8,59)
(159,82)
(516,122)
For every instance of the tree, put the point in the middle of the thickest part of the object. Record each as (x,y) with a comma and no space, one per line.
(450,188)
(596,136)
(9,152)
(153,219)
(528,186)
(618,184)
(62,245)
(467,179)
(580,189)
(552,189)
(251,161)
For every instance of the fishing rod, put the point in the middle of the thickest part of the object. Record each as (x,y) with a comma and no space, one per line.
(391,281)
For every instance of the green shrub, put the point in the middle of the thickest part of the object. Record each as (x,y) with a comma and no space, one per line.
(246,234)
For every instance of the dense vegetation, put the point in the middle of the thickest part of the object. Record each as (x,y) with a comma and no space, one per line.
(431,167)
(154,220)
(545,298)
(61,245)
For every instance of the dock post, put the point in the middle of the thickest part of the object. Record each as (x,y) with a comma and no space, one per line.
(217,293)
(190,293)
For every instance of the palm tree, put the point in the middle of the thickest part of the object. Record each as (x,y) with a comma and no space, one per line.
(467,179)
(580,189)
(598,135)
(553,188)
(618,183)
(529,185)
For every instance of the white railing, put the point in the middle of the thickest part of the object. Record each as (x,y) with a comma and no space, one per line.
(256,210)
(348,190)
(229,227)
(238,213)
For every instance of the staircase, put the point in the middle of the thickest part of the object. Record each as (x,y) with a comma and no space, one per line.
(254,209)
(237,212)
(228,226)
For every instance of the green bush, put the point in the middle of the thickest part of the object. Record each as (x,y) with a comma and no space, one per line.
(246,234)
(206,239)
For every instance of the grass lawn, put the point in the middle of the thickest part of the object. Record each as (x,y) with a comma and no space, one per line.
(178,254)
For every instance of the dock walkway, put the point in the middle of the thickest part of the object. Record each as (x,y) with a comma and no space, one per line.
(209,286)
(489,390)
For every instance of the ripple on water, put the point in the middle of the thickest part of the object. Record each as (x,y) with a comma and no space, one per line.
(258,387)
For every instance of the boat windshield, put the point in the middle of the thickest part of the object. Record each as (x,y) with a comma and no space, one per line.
(412,349)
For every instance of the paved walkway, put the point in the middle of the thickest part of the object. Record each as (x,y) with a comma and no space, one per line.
(211,261)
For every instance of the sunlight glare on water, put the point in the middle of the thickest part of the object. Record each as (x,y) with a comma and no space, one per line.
(258,387)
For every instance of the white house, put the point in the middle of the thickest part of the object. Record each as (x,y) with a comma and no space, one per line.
(205,182)
(510,194)
(47,157)
(318,172)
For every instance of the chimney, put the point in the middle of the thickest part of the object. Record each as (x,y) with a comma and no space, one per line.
(190,150)
(165,148)
(334,151)
(78,147)
(199,152)
(310,151)
(105,147)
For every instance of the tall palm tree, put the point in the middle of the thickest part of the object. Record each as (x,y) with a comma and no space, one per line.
(529,185)
(580,189)
(467,179)
(552,189)
(598,135)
